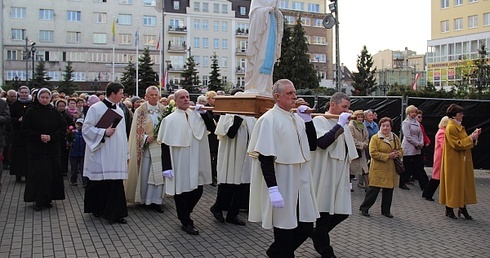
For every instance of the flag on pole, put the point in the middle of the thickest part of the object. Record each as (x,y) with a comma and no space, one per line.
(414,84)
(136,38)
(164,81)
(113,31)
(158,42)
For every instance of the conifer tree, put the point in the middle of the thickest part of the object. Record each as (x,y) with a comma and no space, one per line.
(364,80)
(40,78)
(214,75)
(129,78)
(67,85)
(303,73)
(146,75)
(282,68)
(191,79)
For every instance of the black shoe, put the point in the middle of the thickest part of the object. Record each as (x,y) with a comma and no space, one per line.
(213,184)
(404,187)
(428,198)
(450,213)
(236,221)
(465,213)
(121,221)
(48,205)
(389,215)
(156,207)
(37,208)
(18,179)
(96,214)
(217,214)
(365,213)
(190,229)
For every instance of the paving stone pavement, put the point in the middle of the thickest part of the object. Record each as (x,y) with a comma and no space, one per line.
(419,229)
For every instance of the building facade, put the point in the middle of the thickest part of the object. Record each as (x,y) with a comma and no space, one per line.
(459,28)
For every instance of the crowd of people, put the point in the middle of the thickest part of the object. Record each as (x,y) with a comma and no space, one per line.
(291,171)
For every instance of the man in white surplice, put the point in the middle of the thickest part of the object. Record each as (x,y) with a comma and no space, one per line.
(281,193)
(330,171)
(185,157)
(145,179)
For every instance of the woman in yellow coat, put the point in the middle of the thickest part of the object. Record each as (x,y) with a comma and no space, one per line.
(383,148)
(457,176)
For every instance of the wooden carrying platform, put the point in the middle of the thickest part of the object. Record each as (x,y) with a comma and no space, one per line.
(246,104)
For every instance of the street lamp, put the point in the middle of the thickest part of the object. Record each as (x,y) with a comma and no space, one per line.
(385,87)
(16,82)
(169,65)
(95,85)
(33,57)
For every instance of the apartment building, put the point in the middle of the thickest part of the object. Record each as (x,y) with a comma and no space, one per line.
(458,29)
(100,37)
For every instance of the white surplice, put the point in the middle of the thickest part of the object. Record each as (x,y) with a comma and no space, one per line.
(104,160)
(234,164)
(186,135)
(330,169)
(281,134)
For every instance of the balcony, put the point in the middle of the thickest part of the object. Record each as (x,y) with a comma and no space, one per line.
(176,48)
(240,51)
(177,29)
(240,70)
(242,33)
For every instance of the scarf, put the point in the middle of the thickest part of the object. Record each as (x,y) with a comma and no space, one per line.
(358,125)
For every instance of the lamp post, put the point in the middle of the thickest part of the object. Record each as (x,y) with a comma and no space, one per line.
(27,55)
(95,85)
(169,65)
(16,82)
(318,67)
(33,57)
(385,87)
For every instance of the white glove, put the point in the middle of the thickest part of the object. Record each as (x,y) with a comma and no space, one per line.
(344,118)
(276,197)
(168,173)
(301,112)
(198,108)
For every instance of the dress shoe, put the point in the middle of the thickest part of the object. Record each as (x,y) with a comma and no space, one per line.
(429,198)
(121,221)
(389,215)
(217,214)
(96,214)
(404,187)
(409,183)
(48,205)
(190,229)
(236,221)
(450,213)
(156,207)
(465,213)
(365,213)
(37,208)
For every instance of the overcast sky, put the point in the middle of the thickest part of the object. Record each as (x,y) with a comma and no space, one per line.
(380,25)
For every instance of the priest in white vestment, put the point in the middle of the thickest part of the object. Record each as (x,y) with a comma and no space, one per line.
(185,158)
(234,165)
(331,171)
(106,156)
(281,192)
(145,179)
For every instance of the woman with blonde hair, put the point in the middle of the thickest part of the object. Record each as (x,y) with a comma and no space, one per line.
(361,140)
(436,166)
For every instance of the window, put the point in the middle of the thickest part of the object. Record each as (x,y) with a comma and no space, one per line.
(444,26)
(149,20)
(197,6)
(177,24)
(73,16)
(125,1)
(18,12)
(78,76)
(444,3)
(458,2)
(284,4)
(319,40)
(46,36)
(205,42)
(305,21)
(197,60)
(197,24)
(472,21)
(124,39)
(73,37)
(205,7)
(196,41)
(205,63)
(149,2)
(46,14)
(176,5)
(486,19)
(99,38)
(124,19)
(224,61)
(314,8)
(215,8)
(205,25)
(18,34)
(458,24)
(100,1)
(149,40)
(205,77)
(290,19)
(472,1)
(318,23)
(100,17)
(216,25)
(216,43)
(299,6)
(224,43)
(14,55)
(224,8)
(224,26)
(243,10)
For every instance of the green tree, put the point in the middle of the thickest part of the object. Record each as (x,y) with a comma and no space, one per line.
(67,85)
(146,75)
(40,78)
(364,80)
(282,68)
(481,72)
(303,73)
(129,78)
(214,75)
(191,79)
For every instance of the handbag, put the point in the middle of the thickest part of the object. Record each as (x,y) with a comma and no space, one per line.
(399,168)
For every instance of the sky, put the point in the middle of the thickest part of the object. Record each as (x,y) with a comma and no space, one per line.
(380,25)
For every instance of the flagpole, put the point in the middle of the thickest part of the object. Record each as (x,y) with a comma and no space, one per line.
(136,35)
(113,48)
(161,60)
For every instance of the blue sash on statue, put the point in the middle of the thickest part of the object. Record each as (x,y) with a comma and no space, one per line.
(270,52)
